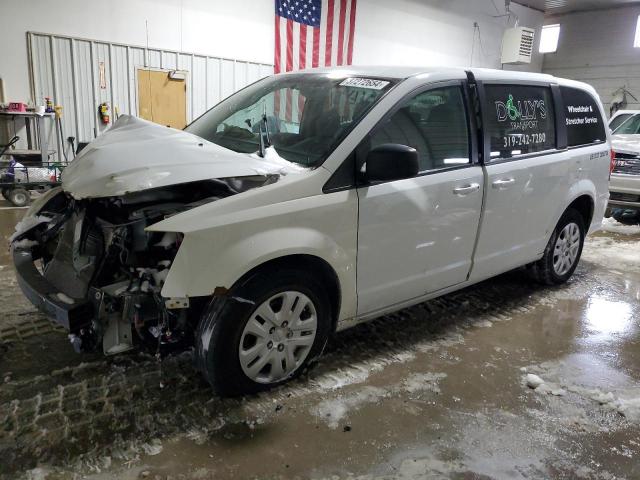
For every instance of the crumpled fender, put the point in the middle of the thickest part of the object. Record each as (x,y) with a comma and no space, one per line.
(227,246)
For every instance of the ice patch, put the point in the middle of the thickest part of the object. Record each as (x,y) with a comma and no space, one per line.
(626,403)
(333,411)
(417,382)
(358,372)
(346,376)
(152,448)
(444,342)
(590,379)
(533,381)
(483,324)
(37,474)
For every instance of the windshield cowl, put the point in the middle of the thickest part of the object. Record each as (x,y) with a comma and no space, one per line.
(271,156)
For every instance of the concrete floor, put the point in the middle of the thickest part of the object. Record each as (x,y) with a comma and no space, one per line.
(435,391)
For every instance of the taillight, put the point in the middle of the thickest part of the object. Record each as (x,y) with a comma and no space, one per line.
(612,163)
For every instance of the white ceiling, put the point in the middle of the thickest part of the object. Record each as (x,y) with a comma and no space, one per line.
(552,7)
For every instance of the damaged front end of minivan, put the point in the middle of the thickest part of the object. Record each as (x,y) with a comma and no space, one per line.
(83,253)
(91,265)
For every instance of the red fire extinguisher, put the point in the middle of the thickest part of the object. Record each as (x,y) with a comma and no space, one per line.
(103,112)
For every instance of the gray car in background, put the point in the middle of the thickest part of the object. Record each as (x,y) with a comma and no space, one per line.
(624,187)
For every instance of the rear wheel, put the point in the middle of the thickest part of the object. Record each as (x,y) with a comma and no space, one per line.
(263,333)
(562,254)
(19,197)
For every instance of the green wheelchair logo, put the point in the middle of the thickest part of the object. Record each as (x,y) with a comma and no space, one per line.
(512,111)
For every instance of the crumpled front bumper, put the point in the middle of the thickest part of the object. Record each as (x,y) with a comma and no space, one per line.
(73,315)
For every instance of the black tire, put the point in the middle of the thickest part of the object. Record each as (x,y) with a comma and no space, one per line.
(19,197)
(543,270)
(220,330)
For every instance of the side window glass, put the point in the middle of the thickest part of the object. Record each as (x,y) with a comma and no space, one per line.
(619,120)
(434,123)
(630,127)
(584,122)
(519,120)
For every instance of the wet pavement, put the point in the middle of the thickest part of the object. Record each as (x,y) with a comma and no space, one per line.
(435,391)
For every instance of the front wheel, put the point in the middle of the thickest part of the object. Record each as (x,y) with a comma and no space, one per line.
(562,254)
(263,333)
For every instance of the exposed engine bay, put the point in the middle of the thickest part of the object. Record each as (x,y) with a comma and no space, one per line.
(95,256)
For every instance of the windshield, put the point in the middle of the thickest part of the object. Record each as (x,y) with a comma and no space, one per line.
(630,126)
(307,115)
(619,120)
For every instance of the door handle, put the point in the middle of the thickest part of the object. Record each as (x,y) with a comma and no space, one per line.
(503,183)
(467,189)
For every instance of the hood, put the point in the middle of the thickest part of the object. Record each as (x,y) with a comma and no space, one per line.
(626,143)
(136,154)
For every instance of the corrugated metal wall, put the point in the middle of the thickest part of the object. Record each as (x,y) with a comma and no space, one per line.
(68,70)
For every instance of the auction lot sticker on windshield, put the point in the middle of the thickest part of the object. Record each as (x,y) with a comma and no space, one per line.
(370,83)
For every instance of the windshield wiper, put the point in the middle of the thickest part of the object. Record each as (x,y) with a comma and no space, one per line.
(263,131)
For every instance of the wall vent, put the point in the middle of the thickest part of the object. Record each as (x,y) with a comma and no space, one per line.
(517,45)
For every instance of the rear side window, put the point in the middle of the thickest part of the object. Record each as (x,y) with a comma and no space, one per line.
(584,122)
(519,120)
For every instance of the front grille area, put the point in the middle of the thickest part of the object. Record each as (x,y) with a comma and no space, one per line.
(624,197)
(627,164)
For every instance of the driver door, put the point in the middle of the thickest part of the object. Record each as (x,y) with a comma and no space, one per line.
(417,235)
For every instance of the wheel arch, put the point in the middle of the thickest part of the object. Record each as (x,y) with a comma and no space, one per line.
(585,205)
(581,196)
(305,263)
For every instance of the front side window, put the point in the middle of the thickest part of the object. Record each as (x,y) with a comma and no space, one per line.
(519,120)
(308,115)
(434,123)
(584,122)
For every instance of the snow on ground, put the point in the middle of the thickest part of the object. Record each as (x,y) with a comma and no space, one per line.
(612,253)
(588,379)
(613,226)
(333,411)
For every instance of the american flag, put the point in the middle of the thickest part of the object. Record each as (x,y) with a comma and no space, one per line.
(312,33)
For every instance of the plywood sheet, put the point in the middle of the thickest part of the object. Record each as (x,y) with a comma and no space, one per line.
(161,99)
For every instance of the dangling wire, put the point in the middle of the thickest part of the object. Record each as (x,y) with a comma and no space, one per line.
(476,29)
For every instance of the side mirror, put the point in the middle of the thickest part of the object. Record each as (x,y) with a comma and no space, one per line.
(391,161)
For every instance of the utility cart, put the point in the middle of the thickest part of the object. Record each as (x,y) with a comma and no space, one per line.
(18,179)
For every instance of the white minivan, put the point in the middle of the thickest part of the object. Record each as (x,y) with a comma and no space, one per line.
(311,201)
